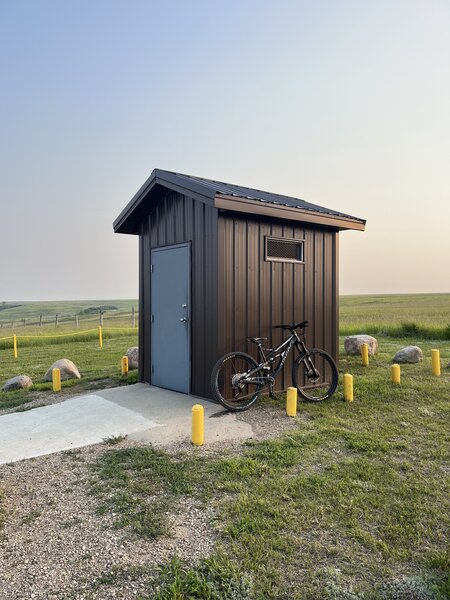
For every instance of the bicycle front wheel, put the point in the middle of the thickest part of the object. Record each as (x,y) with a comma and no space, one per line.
(226,383)
(315,375)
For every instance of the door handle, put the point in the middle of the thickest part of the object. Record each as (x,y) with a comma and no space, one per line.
(184,319)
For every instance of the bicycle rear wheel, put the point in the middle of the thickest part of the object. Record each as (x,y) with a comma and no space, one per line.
(315,386)
(227,389)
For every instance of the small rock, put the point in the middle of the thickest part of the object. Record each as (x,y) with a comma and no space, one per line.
(67,367)
(133,357)
(20,382)
(410,354)
(353,343)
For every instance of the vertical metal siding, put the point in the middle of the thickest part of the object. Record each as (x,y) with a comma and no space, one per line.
(255,294)
(176,219)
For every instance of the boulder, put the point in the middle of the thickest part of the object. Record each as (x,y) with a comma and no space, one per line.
(20,382)
(410,354)
(133,357)
(67,368)
(353,344)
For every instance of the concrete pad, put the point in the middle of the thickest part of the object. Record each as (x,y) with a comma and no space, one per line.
(142,412)
(172,411)
(71,424)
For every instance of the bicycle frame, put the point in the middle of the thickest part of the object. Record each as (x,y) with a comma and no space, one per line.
(281,351)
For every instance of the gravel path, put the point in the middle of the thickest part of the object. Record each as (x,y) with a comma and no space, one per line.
(54,545)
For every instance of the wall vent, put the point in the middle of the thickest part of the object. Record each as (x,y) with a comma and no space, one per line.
(284,250)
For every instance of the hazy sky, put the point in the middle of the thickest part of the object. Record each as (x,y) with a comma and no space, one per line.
(344,103)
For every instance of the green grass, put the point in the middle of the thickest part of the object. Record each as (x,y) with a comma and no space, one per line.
(353,501)
(98,367)
(422,316)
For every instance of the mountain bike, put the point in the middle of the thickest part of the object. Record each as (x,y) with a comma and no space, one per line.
(237,379)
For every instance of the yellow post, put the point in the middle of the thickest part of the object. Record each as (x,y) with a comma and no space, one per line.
(198,425)
(56,379)
(435,363)
(365,354)
(15,345)
(395,370)
(100,336)
(291,402)
(124,365)
(348,387)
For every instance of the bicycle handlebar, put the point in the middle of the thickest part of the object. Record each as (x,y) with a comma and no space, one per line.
(301,325)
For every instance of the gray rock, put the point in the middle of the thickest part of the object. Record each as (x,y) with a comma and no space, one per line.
(410,354)
(67,368)
(133,357)
(353,343)
(20,382)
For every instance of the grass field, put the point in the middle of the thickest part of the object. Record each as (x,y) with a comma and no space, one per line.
(420,315)
(351,504)
(23,317)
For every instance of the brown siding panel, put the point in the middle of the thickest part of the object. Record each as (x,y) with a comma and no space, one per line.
(255,294)
(177,219)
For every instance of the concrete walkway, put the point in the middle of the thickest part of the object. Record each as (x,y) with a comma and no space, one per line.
(142,412)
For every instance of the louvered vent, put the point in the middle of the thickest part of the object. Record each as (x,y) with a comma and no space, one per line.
(284,250)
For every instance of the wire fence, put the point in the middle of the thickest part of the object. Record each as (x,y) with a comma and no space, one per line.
(69,321)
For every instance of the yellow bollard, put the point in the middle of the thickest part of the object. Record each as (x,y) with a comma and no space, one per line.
(291,402)
(395,371)
(100,336)
(56,379)
(124,365)
(198,425)
(348,387)
(435,363)
(15,345)
(365,354)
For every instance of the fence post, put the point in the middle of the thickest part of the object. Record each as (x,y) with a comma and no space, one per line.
(40,320)
(56,320)
(15,345)
(100,336)
(101,318)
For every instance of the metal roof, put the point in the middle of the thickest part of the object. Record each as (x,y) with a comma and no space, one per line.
(207,190)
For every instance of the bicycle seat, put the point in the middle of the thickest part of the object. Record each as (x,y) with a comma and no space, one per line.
(256,340)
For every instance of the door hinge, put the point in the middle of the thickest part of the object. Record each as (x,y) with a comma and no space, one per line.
(153,318)
(152,268)
(153,368)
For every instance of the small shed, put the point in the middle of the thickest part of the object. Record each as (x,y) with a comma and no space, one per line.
(219,263)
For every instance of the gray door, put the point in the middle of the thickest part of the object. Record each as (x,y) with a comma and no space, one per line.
(170,337)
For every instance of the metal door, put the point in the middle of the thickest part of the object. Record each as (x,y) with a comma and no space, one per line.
(170,319)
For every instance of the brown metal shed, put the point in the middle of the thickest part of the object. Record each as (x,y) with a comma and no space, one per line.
(243,261)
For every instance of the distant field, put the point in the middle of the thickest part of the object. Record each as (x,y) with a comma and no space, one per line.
(407,315)
(24,317)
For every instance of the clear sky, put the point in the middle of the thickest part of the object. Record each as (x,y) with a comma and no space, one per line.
(344,103)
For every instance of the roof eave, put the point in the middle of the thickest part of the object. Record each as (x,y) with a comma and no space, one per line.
(125,222)
(293,213)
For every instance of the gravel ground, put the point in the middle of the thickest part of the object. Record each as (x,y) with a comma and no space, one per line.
(55,546)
